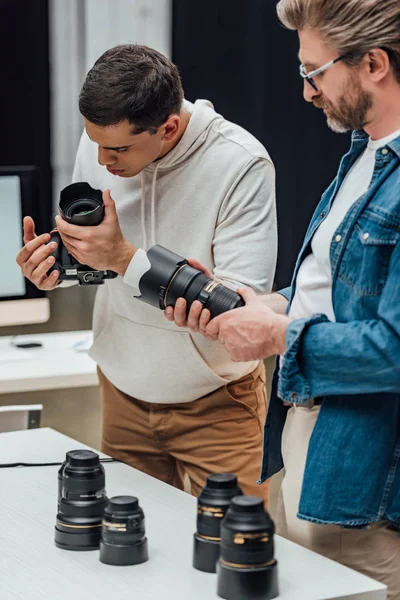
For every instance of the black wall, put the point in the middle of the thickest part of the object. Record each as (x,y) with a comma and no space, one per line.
(236,54)
(24,94)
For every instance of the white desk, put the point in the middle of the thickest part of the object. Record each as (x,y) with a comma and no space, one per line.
(32,568)
(53,366)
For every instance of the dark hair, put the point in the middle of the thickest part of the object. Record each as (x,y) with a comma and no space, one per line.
(131,83)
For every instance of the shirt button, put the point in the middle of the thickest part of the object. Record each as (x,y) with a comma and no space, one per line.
(294,396)
(338,238)
(365,236)
(385,151)
(321,216)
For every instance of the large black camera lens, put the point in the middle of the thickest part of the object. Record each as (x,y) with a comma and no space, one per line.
(81,501)
(123,540)
(212,504)
(171,277)
(80,204)
(247,569)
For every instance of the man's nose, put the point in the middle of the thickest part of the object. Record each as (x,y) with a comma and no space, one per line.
(105,157)
(309,93)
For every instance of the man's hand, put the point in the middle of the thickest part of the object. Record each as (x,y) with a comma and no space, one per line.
(34,258)
(252,332)
(102,246)
(198,318)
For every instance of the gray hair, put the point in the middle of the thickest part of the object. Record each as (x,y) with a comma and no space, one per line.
(352,27)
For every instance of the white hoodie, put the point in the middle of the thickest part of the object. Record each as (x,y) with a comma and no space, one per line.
(212,197)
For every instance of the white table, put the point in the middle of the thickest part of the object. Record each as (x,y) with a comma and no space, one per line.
(57,364)
(32,568)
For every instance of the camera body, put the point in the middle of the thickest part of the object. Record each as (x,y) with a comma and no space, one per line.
(80,204)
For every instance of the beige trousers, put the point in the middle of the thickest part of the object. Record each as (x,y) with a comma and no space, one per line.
(219,433)
(375,551)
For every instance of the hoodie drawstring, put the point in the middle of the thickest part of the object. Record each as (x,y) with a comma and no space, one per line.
(152,210)
(153,207)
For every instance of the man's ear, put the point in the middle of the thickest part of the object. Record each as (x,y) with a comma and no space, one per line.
(170,128)
(378,64)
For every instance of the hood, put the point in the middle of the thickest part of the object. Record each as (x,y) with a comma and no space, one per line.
(202,116)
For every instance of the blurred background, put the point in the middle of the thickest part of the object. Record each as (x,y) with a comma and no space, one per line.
(231,52)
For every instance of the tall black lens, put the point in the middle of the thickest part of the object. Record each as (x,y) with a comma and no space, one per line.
(81,501)
(80,204)
(171,277)
(247,567)
(123,540)
(212,504)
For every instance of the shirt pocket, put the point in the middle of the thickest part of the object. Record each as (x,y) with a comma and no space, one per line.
(365,263)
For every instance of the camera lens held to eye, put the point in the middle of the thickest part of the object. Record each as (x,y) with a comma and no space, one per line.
(171,277)
(247,569)
(123,540)
(212,504)
(80,204)
(81,501)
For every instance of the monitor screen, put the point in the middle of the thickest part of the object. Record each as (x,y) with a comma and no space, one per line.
(12,282)
(20,194)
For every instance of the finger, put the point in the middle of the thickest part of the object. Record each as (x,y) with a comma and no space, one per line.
(29,229)
(40,273)
(26,252)
(247,294)
(194,315)
(169,313)
(214,326)
(193,262)
(180,312)
(50,282)
(109,204)
(204,320)
(37,257)
(76,232)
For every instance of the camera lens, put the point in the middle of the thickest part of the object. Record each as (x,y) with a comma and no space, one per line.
(247,569)
(212,504)
(123,540)
(81,501)
(80,204)
(171,277)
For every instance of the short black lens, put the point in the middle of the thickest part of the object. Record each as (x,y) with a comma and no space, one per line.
(81,501)
(212,504)
(123,538)
(80,204)
(247,567)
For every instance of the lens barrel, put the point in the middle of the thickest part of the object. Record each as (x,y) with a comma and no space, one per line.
(81,501)
(80,204)
(171,277)
(123,540)
(247,569)
(212,504)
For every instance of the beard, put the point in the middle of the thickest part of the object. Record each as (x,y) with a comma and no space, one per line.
(350,111)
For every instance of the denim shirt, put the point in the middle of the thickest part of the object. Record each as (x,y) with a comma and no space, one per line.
(352,475)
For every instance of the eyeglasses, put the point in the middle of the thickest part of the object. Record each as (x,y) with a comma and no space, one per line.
(309,76)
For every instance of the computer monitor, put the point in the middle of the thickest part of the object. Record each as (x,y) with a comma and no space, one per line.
(20,301)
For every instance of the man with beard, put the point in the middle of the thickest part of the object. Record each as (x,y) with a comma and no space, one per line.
(334,417)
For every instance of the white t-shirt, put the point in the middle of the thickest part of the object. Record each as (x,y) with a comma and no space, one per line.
(314,279)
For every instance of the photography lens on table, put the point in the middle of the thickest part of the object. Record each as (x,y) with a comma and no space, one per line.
(247,569)
(123,540)
(212,504)
(81,501)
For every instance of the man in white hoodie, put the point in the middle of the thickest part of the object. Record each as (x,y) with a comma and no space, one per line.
(181,176)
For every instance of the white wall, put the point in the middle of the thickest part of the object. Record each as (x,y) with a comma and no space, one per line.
(80,31)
